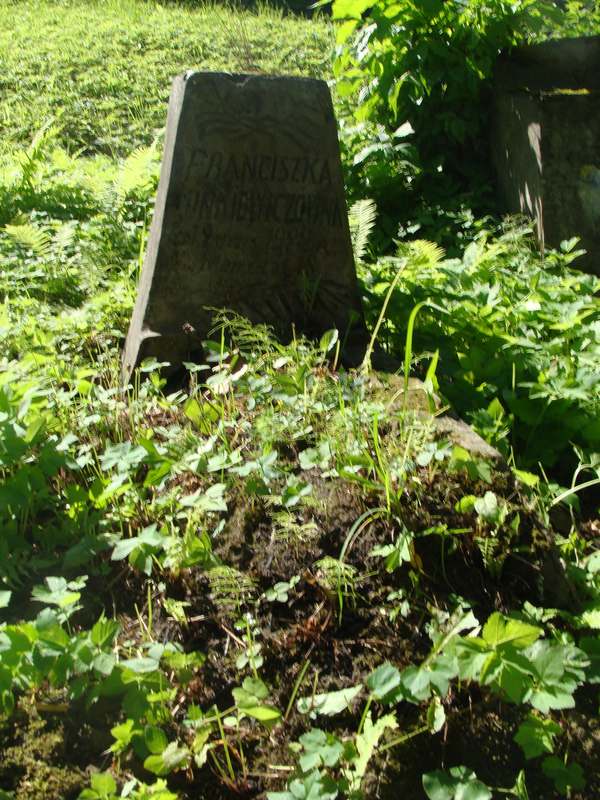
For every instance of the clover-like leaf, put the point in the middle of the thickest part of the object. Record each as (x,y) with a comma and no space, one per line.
(459,784)
(314,786)
(320,749)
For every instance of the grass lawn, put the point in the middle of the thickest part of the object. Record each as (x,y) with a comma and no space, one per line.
(103,70)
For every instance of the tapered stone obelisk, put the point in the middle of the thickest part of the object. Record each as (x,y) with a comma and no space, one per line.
(250,216)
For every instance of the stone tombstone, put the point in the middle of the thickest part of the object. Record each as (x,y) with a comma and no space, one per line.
(546,140)
(250,216)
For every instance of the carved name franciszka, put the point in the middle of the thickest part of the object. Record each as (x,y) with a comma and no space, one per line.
(258,167)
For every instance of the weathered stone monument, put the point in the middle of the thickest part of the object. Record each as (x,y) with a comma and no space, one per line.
(250,216)
(546,140)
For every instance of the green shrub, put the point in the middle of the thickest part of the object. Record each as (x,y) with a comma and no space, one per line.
(426,67)
(510,327)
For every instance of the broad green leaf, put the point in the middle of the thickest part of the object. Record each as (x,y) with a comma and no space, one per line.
(590,617)
(172,757)
(210,500)
(499,631)
(314,457)
(313,786)
(593,563)
(124,456)
(193,411)
(366,743)
(528,478)
(329,340)
(151,536)
(536,736)
(200,746)
(510,674)
(559,670)
(553,698)
(124,547)
(416,683)
(328,704)
(123,734)
(487,507)
(140,665)
(350,9)
(103,783)
(104,663)
(472,654)
(251,693)
(104,631)
(58,592)
(268,715)
(155,739)
(563,776)
(383,680)
(345,30)
(466,503)
(460,620)
(406,129)
(460,784)
(436,716)
(320,749)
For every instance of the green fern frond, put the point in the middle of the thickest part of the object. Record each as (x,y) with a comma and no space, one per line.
(428,253)
(361,217)
(331,572)
(481,251)
(64,236)
(32,159)
(137,170)
(31,238)
(229,587)
(491,553)
(63,161)
(98,176)
(44,136)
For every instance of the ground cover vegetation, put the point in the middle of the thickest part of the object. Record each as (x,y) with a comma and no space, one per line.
(281,579)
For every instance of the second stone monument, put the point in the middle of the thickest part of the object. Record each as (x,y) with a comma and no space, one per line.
(250,216)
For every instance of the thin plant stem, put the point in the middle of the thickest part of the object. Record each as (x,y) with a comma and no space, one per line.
(405,738)
(225,746)
(363,718)
(296,688)
(366,364)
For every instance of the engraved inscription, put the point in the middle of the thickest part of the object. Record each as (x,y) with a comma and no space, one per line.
(250,216)
(288,208)
(258,167)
